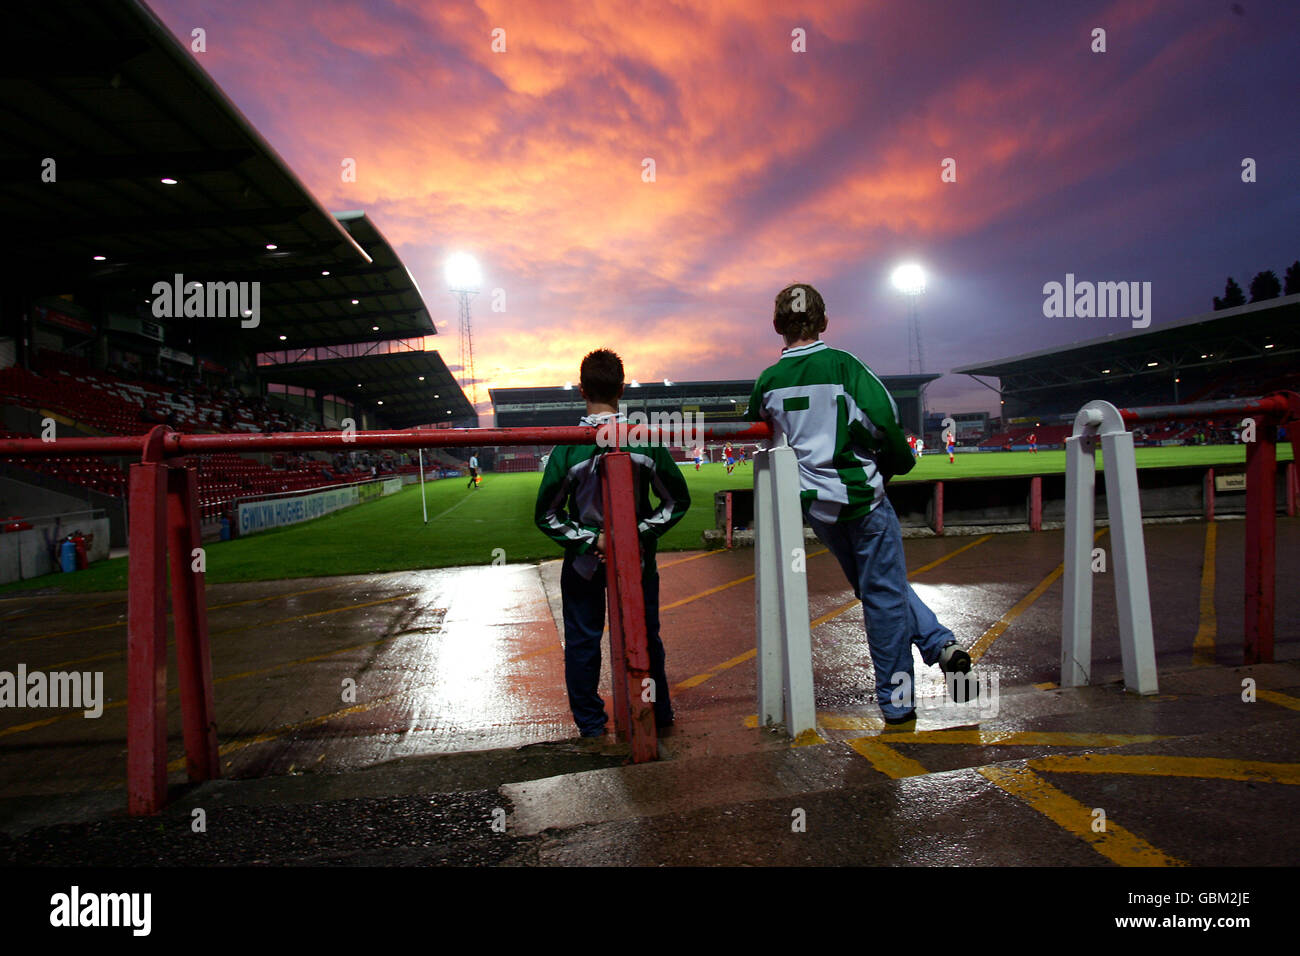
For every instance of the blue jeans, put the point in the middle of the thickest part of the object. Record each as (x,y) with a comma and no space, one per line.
(870,550)
(584,623)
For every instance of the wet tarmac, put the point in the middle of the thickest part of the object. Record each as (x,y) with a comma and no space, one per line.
(420,717)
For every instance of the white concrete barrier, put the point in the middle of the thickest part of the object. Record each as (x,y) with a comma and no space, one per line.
(1100,423)
(785,680)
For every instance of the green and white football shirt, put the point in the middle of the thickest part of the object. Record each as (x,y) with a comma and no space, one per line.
(842,424)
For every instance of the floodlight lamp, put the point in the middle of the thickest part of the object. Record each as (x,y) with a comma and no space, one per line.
(909,279)
(463,273)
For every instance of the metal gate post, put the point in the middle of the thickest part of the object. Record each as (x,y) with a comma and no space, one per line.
(146,642)
(629,660)
(1076,584)
(1132,591)
(190,611)
(1261,537)
(1132,596)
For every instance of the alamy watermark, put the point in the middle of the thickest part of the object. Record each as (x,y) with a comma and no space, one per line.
(976,691)
(208,300)
(1101,300)
(664,429)
(83,689)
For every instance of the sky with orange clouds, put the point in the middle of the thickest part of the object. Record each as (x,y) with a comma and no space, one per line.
(773,165)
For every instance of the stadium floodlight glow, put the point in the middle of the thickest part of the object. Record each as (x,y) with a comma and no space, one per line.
(99,258)
(168,181)
(634,384)
(421,378)
(374,328)
(324,272)
(283,338)
(272,246)
(463,273)
(909,279)
(356,301)
(666,382)
(568,386)
(1152,364)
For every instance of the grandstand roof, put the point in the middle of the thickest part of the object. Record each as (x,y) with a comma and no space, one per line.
(110,95)
(393,379)
(1209,339)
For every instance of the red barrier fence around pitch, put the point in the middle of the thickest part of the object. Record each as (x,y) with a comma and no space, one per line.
(1268,413)
(164,533)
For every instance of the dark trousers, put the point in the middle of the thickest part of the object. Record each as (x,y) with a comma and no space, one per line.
(584,623)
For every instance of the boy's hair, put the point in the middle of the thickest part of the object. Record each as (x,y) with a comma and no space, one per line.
(601,376)
(800,312)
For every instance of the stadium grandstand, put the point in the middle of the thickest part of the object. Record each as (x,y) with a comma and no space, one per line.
(714,402)
(129,177)
(1237,352)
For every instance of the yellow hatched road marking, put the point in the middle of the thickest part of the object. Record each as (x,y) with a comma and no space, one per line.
(1024,738)
(1114,843)
(1282,700)
(1157,765)
(886,759)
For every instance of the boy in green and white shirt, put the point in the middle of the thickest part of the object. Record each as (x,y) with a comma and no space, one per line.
(570,512)
(843,426)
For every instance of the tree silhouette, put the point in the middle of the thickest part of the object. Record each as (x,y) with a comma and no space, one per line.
(1232,296)
(1292,278)
(1265,286)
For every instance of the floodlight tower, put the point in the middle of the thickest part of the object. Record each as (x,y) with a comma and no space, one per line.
(464,278)
(909,279)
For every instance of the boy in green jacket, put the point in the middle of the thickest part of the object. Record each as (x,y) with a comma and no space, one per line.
(843,426)
(569,512)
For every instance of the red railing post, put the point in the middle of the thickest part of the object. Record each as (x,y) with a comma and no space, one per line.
(1261,533)
(728,519)
(1208,495)
(629,660)
(1036,503)
(146,641)
(938,507)
(1290,488)
(190,612)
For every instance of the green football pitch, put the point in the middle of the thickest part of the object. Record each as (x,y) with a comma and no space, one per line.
(496,522)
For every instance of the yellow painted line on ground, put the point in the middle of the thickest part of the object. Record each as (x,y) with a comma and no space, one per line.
(722,587)
(214,607)
(303,617)
(814,624)
(19,728)
(1114,843)
(1282,700)
(1208,629)
(235,746)
(981,646)
(1046,685)
(830,616)
(886,759)
(1029,738)
(694,557)
(1158,765)
(725,665)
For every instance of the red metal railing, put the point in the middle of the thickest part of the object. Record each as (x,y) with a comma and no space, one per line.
(1269,412)
(164,534)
